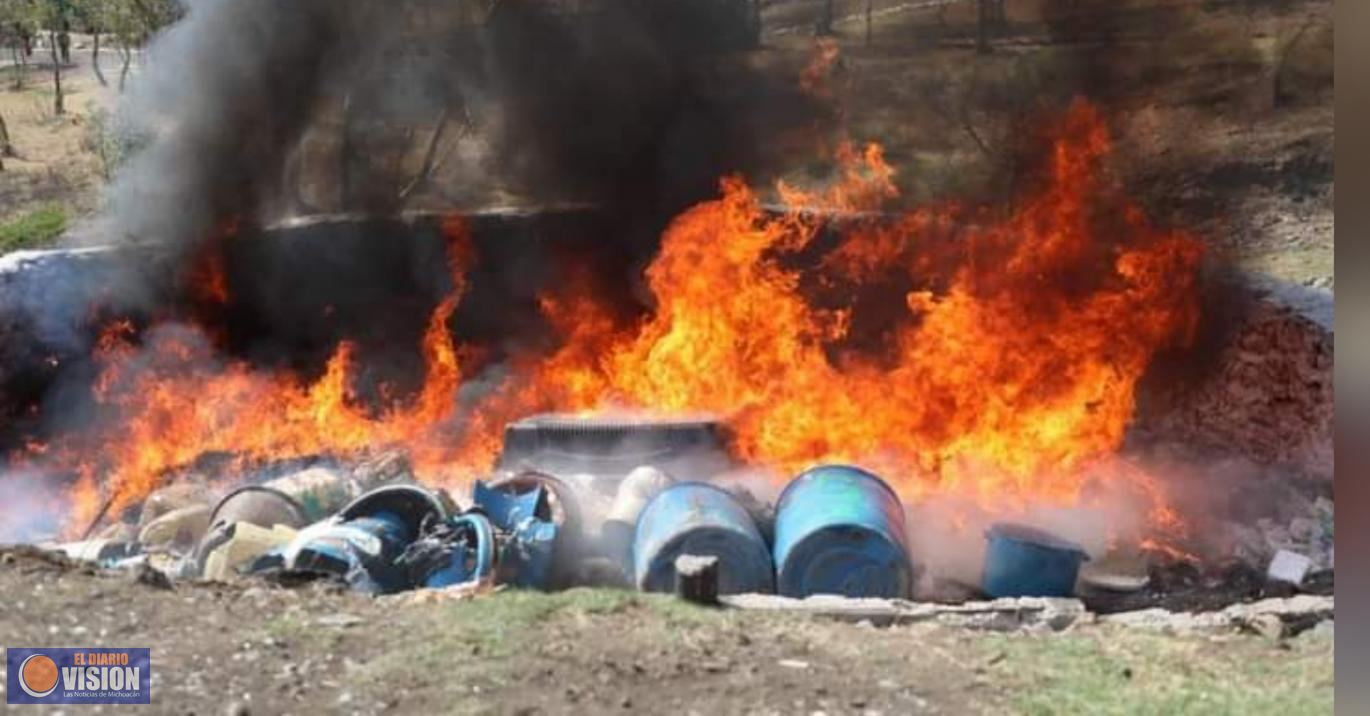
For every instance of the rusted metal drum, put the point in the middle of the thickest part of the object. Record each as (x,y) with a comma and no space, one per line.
(700,519)
(260,505)
(319,491)
(840,530)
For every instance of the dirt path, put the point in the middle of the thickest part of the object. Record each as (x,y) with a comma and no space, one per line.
(259,649)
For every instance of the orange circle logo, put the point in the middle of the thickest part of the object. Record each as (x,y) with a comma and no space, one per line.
(38,675)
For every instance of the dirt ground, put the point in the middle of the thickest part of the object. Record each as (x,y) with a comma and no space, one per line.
(253,648)
(1190,88)
(55,162)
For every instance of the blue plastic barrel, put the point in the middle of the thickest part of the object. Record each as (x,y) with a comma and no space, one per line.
(840,530)
(700,519)
(1022,561)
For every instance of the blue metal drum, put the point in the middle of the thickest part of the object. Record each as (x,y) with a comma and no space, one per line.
(840,530)
(700,519)
(1021,561)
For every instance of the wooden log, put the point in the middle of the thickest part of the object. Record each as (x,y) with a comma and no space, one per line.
(696,579)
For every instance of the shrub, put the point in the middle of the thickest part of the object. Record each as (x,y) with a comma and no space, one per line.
(35,228)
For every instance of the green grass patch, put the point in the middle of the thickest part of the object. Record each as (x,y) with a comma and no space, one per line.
(486,641)
(1132,672)
(33,229)
(479,638)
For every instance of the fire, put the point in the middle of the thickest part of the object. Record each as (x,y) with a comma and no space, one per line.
(171,401)
(1170,552)
(1010,381)
(995,353)
(813,79)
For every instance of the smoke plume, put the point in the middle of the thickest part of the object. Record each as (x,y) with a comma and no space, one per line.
(630,105)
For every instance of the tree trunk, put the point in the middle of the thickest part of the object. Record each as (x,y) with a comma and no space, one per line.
(825,22)
(982,27)
(345,156)
(6,149)
(58,104)
(64,39)
(18,67)
(1279,96)
(128,58)
(95,60)
(869,3)
(24,61)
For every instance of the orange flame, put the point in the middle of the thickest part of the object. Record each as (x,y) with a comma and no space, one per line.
(170,403)
(1003,363)
(814,78)
(1011,381)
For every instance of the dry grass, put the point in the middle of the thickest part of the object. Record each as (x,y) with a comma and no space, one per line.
(53,165)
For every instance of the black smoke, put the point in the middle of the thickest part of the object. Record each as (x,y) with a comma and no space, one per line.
(637,107)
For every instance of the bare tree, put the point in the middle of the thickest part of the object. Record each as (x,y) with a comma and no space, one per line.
(64,31)
(58,102)
(869,3)
(133,22)
(95,56)
(124,22)
(94,15)
(989,17)
(126,55)
(19,22)
(6,149)
(20,67)
(1284,46)
(823,27)
(55,17)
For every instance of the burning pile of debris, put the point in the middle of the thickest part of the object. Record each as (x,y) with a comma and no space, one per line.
(213,468)
(814,397)
(834,542)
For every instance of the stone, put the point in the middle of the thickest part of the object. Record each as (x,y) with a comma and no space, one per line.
(339,620)
(1302,605)
(1323,630)
(1007,614)
(1158,619)
(150,576)
(1289,567)
(1270,396)
(1267,625)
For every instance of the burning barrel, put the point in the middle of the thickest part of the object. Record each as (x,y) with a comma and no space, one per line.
(700,519)
(840,530)
(613,446)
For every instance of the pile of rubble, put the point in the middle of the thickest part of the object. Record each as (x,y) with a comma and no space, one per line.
(370,527)
(1270,398)
(833,544)
(1273,617)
